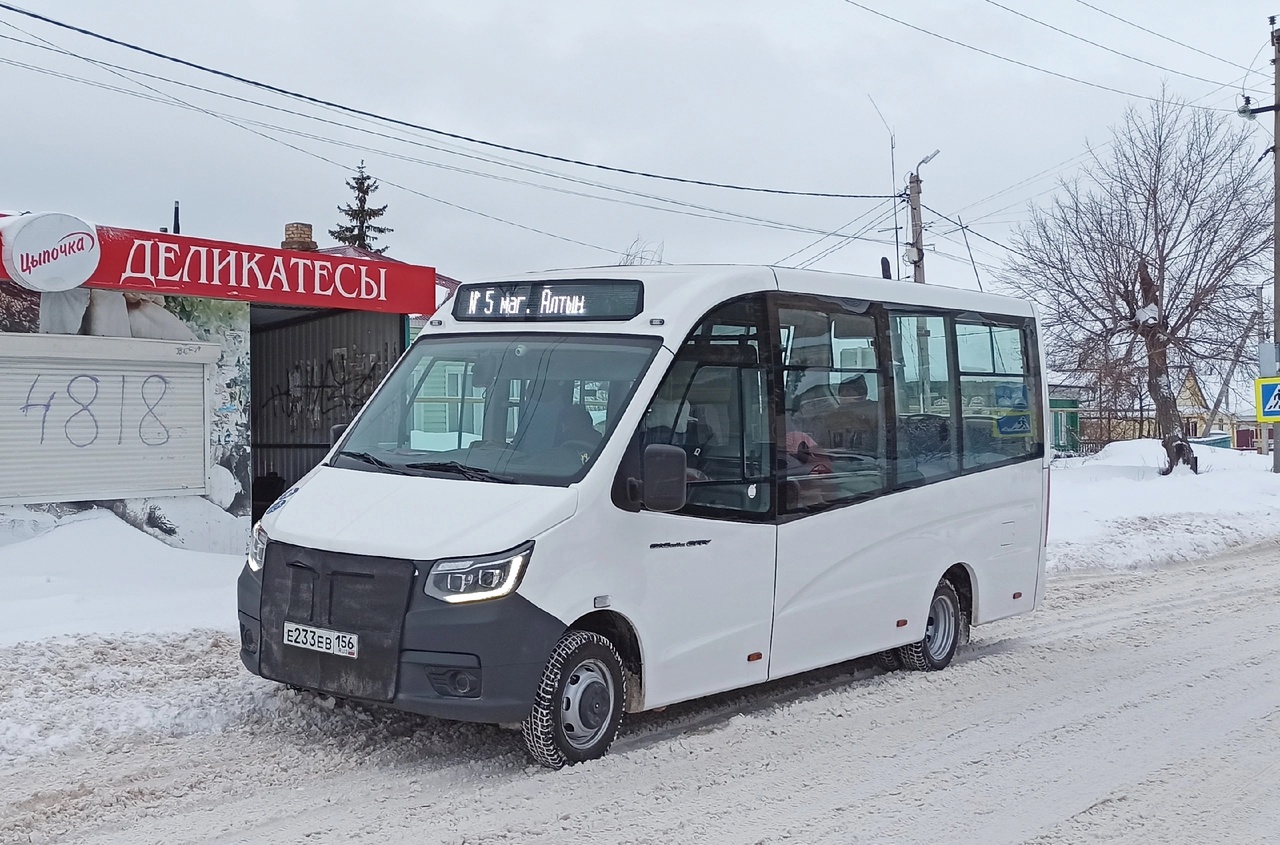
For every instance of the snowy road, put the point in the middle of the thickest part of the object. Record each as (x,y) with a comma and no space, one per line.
(1140,707)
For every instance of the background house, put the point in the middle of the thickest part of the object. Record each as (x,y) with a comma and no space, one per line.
(1086,417)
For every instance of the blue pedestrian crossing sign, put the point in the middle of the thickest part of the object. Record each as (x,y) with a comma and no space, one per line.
(1266,395)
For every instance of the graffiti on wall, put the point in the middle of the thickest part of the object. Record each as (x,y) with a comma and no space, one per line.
(321,392)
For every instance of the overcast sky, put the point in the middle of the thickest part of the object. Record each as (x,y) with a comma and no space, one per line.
(773,94)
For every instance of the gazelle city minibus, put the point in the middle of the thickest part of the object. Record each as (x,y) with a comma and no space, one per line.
(587,493)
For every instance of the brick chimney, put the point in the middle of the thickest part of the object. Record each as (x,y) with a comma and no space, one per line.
(298,236)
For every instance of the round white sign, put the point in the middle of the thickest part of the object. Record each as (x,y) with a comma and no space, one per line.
(49,252)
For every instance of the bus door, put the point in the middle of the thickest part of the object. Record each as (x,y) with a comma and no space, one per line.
(706,611)
(841,586)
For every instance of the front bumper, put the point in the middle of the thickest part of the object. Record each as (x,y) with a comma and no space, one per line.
(476,662)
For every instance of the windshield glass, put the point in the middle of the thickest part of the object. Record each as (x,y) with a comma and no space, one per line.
(523,408)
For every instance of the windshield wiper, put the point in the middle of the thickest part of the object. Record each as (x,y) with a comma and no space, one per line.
(468,472)
(370,459)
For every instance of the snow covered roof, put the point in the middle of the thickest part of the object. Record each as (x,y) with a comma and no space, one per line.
(347,251)
(1075,379)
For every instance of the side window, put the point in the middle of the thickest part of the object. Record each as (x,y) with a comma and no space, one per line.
(926,448)
(833,447)
(714,404)
(998,402)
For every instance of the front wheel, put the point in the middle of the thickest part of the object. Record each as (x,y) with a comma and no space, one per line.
(579,704)
(942,633)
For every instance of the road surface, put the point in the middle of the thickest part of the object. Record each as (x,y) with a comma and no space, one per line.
(1136,707)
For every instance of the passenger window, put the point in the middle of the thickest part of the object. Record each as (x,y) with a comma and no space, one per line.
(926,447)
(1000,422)
(713,403)
(833,447)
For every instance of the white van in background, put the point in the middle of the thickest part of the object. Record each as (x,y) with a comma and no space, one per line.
(584,493)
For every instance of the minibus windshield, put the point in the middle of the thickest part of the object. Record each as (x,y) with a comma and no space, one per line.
(527,408)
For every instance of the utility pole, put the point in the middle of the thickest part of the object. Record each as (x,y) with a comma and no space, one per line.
(917,224)
(1275,246)
(917,261)
(1249,113)
(1262,338)
(917,230)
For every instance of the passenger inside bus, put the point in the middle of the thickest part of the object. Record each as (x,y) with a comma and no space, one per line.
(576,427)
(857,425)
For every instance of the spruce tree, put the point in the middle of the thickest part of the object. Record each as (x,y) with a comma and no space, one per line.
(361,230)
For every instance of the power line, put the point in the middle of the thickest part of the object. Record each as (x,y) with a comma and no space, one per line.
(409,125)
(975,233)
(720,215)
(1057,168)
(1048,171)
(318,156)
(814,259)
(1002,58)
(1081,38)
(488,159)
(1247,70)
(835,233)
(985,218)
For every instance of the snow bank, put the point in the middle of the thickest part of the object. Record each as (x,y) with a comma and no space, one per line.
(96,574)
(1115,511)
(111,634)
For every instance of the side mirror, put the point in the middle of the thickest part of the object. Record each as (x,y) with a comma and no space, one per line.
(664,477)
(335,432)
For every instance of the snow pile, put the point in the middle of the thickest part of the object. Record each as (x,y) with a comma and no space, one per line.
(90,690)
(96,574)
(104,692)
(1115,511)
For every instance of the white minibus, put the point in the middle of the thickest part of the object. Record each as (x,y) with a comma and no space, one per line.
(587,493)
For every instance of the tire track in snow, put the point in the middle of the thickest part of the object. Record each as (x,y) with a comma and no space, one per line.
(1123,692)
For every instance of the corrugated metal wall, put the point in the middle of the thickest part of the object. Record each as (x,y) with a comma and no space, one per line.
(310,376)
(78,428)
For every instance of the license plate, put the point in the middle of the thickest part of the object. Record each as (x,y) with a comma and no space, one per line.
(321,639)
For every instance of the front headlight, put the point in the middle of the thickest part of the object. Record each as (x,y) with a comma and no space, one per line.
(257,548)
(478,578)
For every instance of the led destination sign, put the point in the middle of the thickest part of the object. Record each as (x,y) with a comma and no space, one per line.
(603,300)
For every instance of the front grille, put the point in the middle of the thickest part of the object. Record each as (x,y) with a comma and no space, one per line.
(353,594)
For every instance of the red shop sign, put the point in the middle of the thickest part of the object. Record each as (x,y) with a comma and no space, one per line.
(158,262)
(183,266)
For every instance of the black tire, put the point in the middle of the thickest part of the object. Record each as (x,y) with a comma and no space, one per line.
(888,660)
(571,723)
(943,632)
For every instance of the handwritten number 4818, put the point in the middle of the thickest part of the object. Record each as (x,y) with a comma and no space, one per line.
(82,428)
(46,405)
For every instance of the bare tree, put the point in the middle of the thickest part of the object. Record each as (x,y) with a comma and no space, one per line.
(1141,258)
(641,252)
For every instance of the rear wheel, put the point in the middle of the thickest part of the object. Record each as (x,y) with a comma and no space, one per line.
(579,703)
(942,633)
